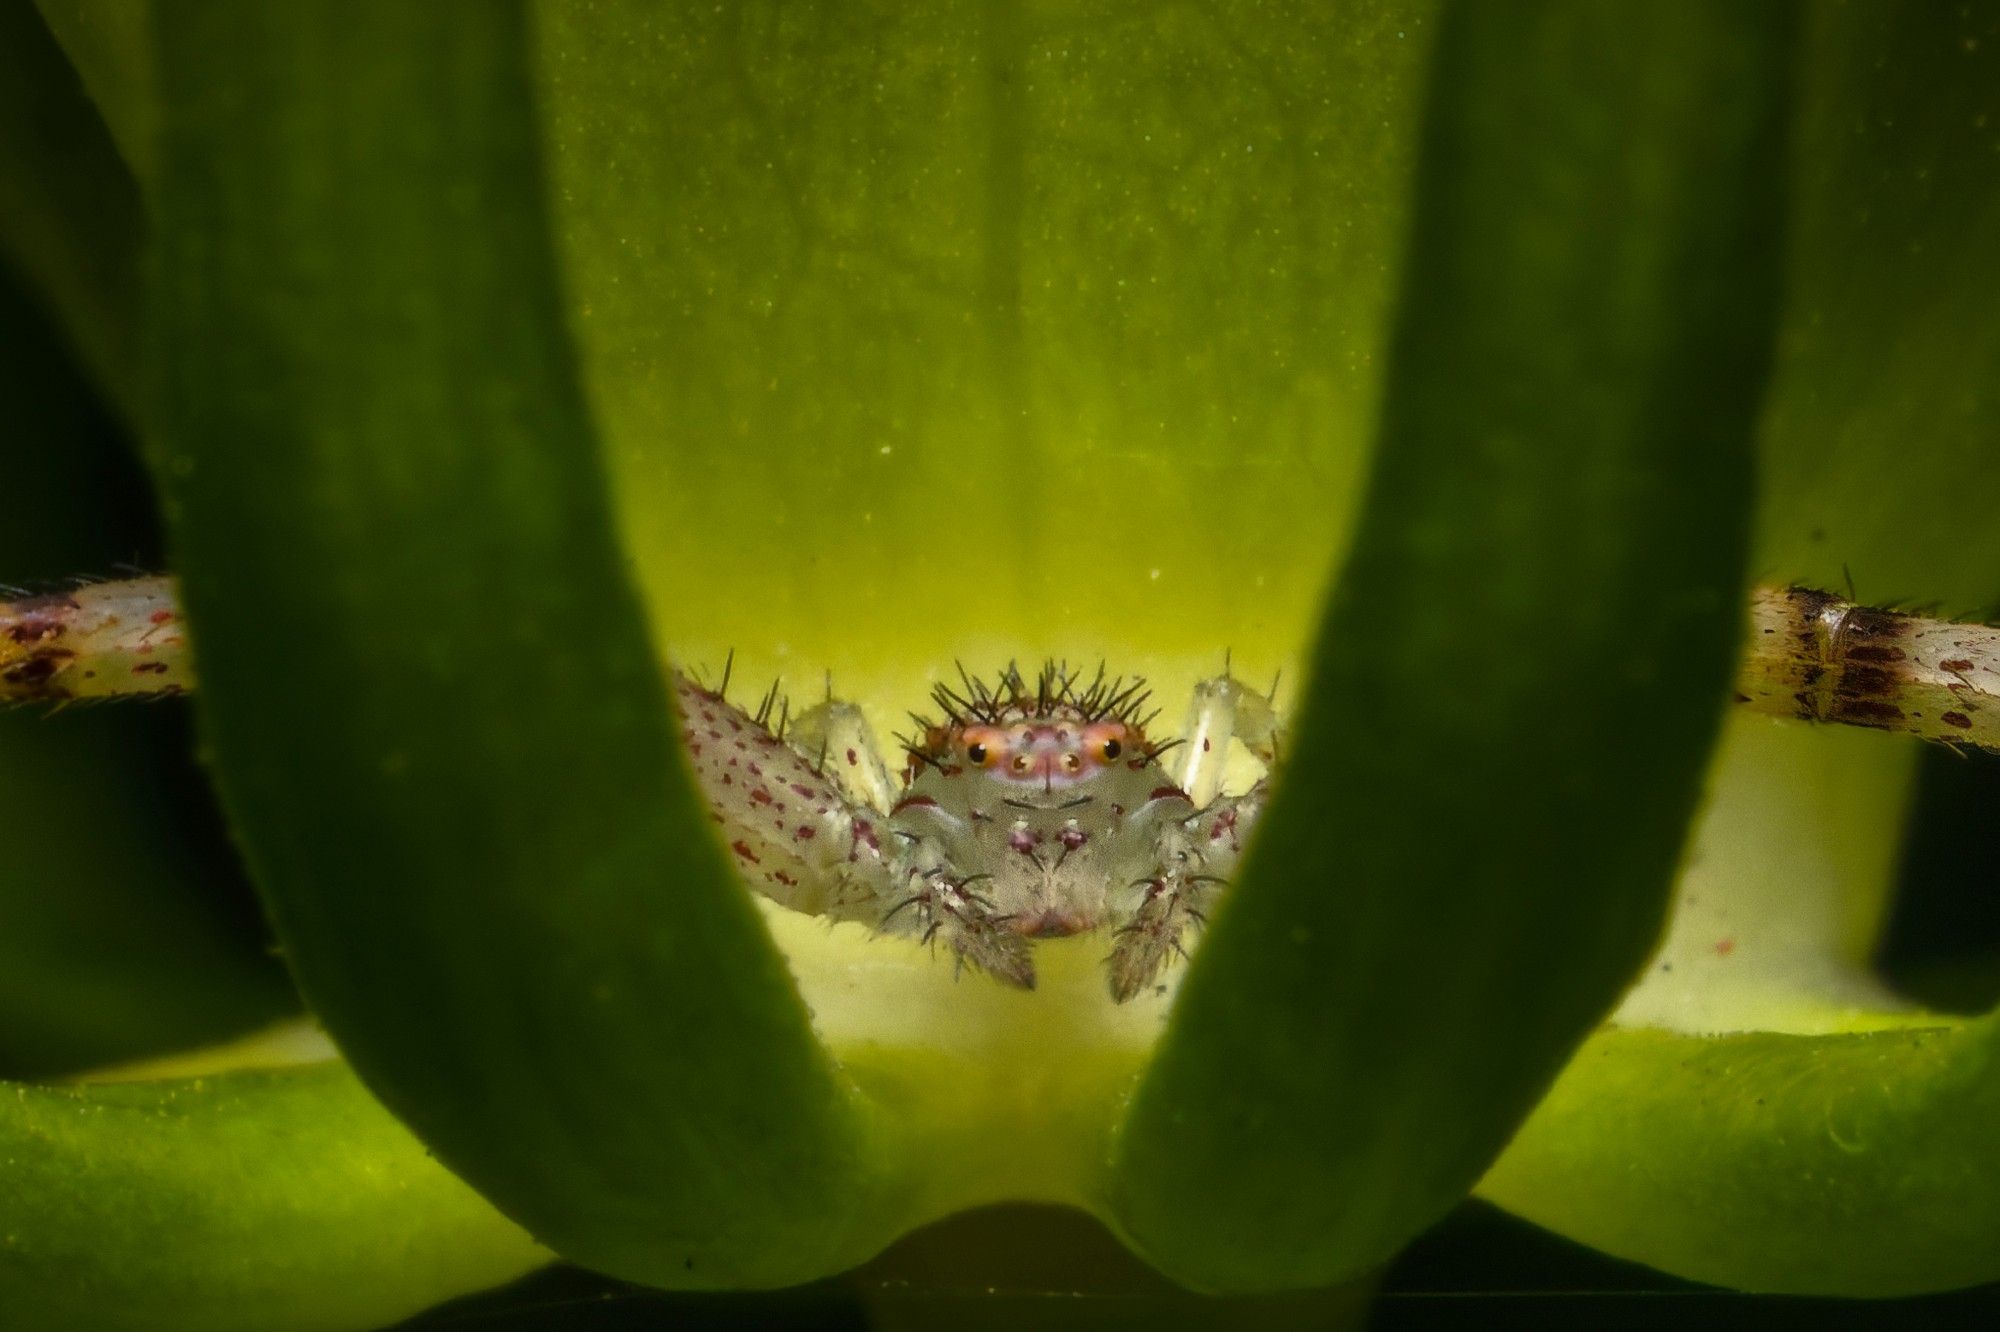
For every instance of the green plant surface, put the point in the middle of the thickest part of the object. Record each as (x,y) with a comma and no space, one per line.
(498,352)
(979,330)
(487,867)
(243,1200)
(70,216)
(109,43)
(1770,1139)
(1852,1163)
(125,924)
(1566,289)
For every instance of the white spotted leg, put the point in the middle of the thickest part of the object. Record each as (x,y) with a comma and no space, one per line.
(836,737)
(1196,855)
(1224,709)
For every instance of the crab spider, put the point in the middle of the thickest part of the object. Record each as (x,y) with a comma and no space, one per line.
(1036,809)
(1030,810)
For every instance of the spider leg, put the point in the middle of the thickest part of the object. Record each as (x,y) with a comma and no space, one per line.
(1224,709)
(941,906)
(794,833)
(94,640)
(1194,857)
(937,902)
(837,738)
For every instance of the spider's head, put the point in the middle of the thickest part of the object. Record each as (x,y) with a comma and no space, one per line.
(1049,751)
(1050,732)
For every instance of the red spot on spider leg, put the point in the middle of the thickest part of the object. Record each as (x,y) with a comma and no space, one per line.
(1167,793)
(162,617)
(761,796)
(1958,719)
(1867,712)
(38,669)
(853,759)
(805,833)
(802,791)
(150,668)
(742,848)
(1956,664)
(1724,947)
(912,802)
(34,629)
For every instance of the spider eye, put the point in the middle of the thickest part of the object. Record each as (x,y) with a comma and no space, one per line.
(1110,749)
(976,753)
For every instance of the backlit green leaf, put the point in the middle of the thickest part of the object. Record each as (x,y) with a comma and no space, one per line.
(1519,675)
(254,1200)
(435,712)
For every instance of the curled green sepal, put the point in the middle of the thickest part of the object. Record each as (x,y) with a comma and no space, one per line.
(1846,1164)
(432,704)
(1519,677)
(253,1200)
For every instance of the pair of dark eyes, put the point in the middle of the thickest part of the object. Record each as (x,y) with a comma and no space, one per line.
(1107,750)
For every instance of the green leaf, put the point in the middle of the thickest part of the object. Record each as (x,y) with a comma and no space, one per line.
(435,713)
(1790,1156)
(1857,1164)
(982,329)
(1520,672)
(69,212)
(125,924)
(106,41)
(253,1200)
(1882,415)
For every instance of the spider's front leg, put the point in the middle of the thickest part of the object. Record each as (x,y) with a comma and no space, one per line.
(923,891)
(797,835)
(811,818)
(941,901)
(1195,855)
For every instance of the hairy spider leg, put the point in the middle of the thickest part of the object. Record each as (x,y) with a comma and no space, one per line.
(94,640)
(1223,709)
(836,737)
(1197,856)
